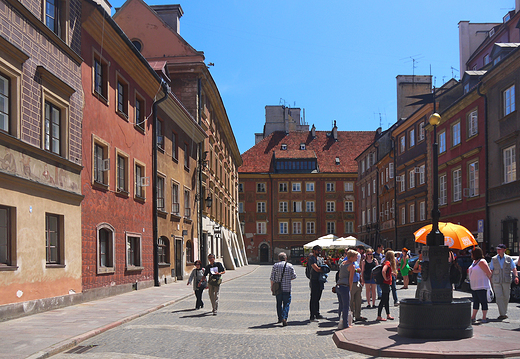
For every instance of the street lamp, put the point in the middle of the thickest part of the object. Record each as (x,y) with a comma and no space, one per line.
(435,237)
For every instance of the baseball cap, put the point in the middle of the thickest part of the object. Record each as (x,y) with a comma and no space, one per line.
(501,246)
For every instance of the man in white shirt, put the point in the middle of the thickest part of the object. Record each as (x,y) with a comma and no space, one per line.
(501,266)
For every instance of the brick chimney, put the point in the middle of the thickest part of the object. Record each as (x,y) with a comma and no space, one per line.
(170,14)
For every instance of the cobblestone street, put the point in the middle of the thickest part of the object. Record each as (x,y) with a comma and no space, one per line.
(245,326)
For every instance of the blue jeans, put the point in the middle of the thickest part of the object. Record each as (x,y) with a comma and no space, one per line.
(283,301)
(394,290)
(344,302)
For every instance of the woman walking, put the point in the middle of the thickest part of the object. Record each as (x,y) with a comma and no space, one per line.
(479,274)
(370,284)
(389,267)
(404,268)
(345,282)
(199,283)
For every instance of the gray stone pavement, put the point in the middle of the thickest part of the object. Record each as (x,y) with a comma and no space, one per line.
(162,323)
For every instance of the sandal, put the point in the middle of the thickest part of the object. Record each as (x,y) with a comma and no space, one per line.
(390,318)
(380,319)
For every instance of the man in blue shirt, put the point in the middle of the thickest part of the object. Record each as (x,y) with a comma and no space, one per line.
(283,272)
(501,266)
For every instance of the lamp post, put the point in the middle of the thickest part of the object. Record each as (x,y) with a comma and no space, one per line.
(435,237)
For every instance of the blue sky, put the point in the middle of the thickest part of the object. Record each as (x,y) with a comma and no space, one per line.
(338,60)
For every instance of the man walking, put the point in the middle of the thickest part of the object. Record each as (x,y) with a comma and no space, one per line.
(315,262)
(501,266)
(357,286)
(215,271)
(283,272)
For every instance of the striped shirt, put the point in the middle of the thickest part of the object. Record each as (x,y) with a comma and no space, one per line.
(289,274)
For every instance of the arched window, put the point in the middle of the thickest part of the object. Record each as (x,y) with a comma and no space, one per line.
(163,250)
(105,245)
(189,252)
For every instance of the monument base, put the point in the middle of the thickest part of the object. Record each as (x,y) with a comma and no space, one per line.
(426,320)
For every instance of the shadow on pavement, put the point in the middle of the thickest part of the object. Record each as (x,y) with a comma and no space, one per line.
(265,326)
(200,315)
(184,310)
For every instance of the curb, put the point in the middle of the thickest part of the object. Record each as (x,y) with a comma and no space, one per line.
(72,342)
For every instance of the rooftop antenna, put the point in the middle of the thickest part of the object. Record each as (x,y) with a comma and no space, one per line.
(414,59)
(453,69)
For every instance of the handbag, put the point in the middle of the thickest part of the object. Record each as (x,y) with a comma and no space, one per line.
(215,281)
(490,294)
(276,288)
(202,284)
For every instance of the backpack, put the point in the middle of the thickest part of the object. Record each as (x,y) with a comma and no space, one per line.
(308,270)
(377,274)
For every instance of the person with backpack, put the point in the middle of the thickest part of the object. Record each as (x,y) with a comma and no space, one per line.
(389,267)
(313,272)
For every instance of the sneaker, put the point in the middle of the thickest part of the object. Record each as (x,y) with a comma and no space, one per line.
(396,304)
(484,320)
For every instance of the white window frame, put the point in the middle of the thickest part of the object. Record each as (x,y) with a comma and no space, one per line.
(422,210)
(282,187)
(261,228)
(283,206)
(457,184)
(403,215)
(297,206)
(309,206)
(412,213)
(283,228)
(509,100)
(442,142)
(369,217)
(421,132)
(296,186)
(391,170)
(330,187)
(297,228)
(309,186)
(473,179)
(331,227)
(349,227)
(260,187)
(310,227)
(374,215)
(455,134)
(349,186)
(411,175)
(422,174)
(331,206)
(509,164)
(260,207)
(411,136)
(349,206)
(472,123)
(443,189)
(363,218)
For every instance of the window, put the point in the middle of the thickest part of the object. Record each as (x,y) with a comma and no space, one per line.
(284,228)
(282,187)
(101,78)
(443,191)
(422,175)
(160,193)
(442,142)
(422,211)
(140,181)
(6,241)
(374,215)
(403,182)
(331,206)
(260,187)
(393,208)
(331,227)
(160,135)
(241,207)
(297,228)
(187,204)
(175,148)
(369,217)
(139,112)
(455,134)
(457,185)
(241,188)
(297,252)
(105,237)
(363,191)
(296,187)
(53,128)
(261,228)
(302,146)
(411,178)
(421,132)
(309,186)
(363,218)
(403,215)
(175,199)
(54,17)
(311,228)
(283,207)
(349,227)
(509,100)
(349,206)
(411,137)
(402,144)
(187,156)
(101,163)
(473,179)
(4,103)
(374,186)
(412,213)
(309,206)
(122,173)
(368,189)
(297,206)
(189,251)
(122,98)
(382,179)
(53,238)
(391,170)
(283,147)
(133,254)
(349,186)
(363,165)
(473,123)
(509,155)
(260,207)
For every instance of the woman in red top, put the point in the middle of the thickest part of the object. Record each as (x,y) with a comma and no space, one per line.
(389,267)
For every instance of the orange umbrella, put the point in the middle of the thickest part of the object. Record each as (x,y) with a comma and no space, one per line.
(455,235)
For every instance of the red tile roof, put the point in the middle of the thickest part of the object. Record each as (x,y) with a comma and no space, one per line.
(259,158)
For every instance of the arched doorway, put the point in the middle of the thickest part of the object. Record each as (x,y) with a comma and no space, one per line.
(264,253)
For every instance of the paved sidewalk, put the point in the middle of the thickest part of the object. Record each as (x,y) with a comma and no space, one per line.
(45,334)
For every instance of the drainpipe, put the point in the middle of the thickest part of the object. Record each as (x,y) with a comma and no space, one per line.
(486,176)
(202,247)
(166,90)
